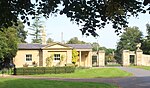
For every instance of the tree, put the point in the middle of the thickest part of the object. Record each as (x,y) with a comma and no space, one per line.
(128,41)
(75,40)
(148,30)
(145,46)
(146,41)
(22,34)
(50,40)
(91,14)
(35,27)
(95,46)
(109,55)
(75,56)
(8,47)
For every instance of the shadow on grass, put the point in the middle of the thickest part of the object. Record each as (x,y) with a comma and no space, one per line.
(37,83)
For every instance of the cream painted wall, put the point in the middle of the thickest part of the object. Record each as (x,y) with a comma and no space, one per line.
(101,57)
(66,53)
(20,58)
(41,55)
(69,57)
(86,59)
(90,59)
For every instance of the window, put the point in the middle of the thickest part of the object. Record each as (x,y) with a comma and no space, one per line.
(56,56)
(28,57)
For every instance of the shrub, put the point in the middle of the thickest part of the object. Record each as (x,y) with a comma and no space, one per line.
(25,65)
(49,60)
(44,70)
(75,56)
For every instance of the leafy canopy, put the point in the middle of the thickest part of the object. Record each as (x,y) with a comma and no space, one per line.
(146,41)
(49,40)
(21,33)
(91,14)
(8,45)
(75,40)
(128,41)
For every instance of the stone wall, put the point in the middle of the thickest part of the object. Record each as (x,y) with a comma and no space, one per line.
(140,58)
(146,60)
(125,57)
(101,57)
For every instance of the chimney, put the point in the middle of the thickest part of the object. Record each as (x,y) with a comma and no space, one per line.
(43,35)
(62,41)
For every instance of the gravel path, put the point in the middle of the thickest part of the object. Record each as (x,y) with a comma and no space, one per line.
(140,79)
(136,71)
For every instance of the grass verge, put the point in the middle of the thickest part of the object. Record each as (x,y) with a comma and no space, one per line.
(92,73)
(30,83)
(142,67)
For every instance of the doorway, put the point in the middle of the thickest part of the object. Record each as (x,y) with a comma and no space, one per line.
(132,59)
(94,61)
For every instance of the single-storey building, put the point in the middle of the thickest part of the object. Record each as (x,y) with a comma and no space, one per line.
(37,54)
(31,54)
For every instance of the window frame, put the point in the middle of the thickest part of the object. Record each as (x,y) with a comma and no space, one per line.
(29,58)
(57,57)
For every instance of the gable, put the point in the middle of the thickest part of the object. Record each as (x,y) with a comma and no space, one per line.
(57,46)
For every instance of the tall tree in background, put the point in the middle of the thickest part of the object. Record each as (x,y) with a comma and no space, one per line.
(8,46)
(146,41)
(22,34)
(49,40)
(35,27)
(95,46)
(128,41)
(75,40)
(109,53)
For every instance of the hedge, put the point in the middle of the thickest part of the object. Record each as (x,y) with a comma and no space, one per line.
(44,70)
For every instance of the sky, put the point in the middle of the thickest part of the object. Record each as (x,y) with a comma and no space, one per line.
(107,37)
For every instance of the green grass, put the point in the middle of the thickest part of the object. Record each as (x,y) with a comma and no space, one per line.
(113,65)
(142,67)
(92,73)
(30,83)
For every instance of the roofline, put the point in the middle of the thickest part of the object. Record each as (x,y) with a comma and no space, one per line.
(28,49)
(58,44)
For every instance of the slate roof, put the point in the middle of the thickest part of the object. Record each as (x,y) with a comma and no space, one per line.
(30,46)
(40,46)
(80,46)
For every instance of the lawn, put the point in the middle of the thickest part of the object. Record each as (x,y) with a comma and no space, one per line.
(112,65)
(92,73)
(142,67)
(30,83)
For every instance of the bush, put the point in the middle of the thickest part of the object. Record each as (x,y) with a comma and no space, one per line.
(44,70)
